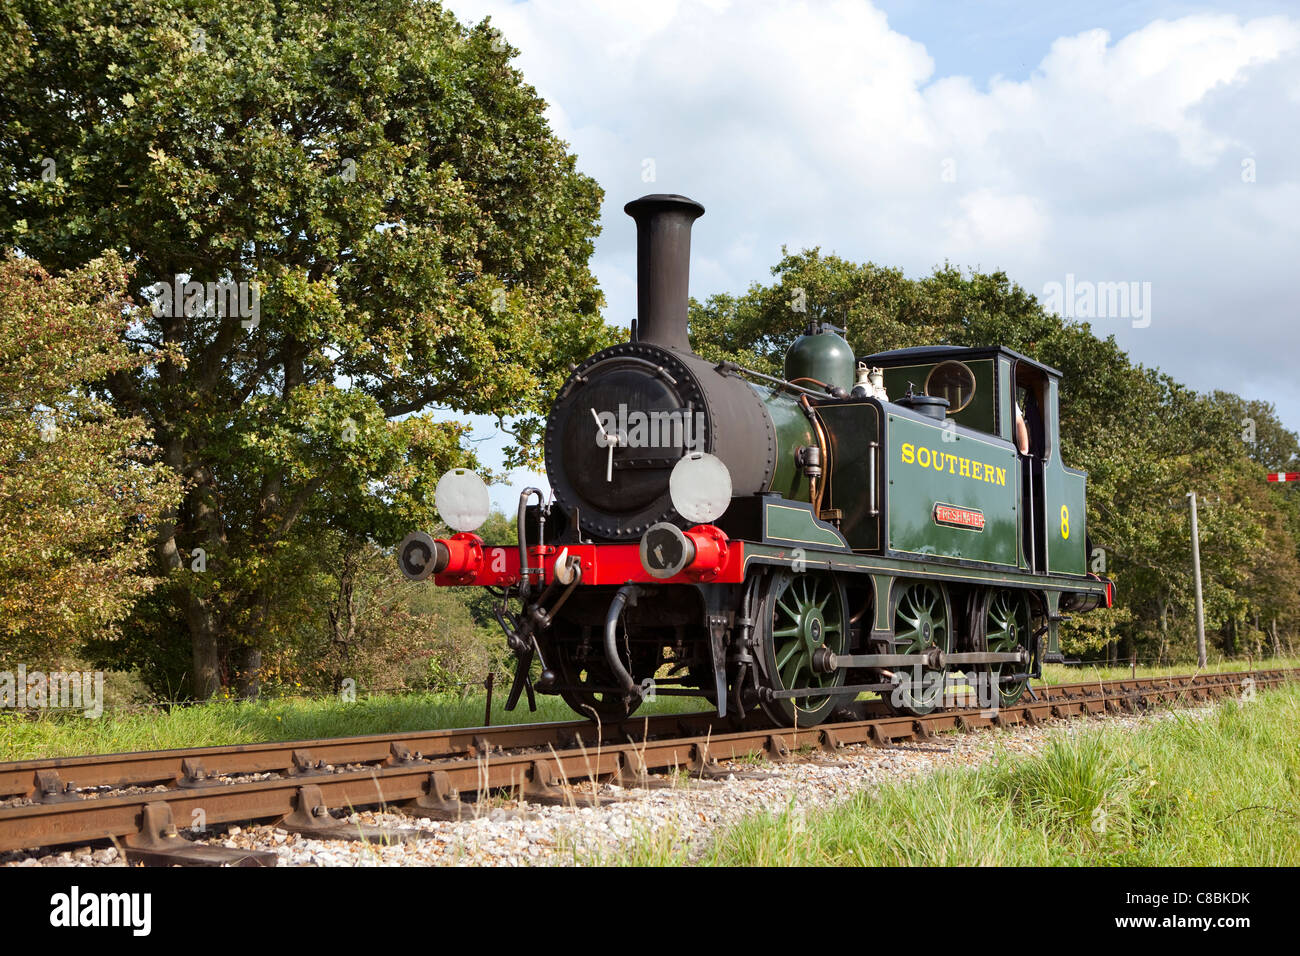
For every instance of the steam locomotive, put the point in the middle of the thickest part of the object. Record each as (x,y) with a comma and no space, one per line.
(781,544)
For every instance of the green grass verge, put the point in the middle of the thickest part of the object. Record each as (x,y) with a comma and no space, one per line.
(1219,790)
(23,737)
(1060,674)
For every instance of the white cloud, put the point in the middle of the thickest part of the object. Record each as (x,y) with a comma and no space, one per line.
(1116,159)
(997,221)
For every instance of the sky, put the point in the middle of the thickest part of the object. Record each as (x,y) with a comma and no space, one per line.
(1074,147)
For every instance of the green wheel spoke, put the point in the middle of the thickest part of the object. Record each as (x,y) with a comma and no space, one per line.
(783,657)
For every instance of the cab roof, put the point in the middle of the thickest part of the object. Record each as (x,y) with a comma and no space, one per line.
(939,353)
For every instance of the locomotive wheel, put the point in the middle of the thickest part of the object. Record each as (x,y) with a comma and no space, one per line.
(1006,629)
(802,616)
(922,617)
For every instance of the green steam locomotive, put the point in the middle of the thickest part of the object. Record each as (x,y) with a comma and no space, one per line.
(899,523)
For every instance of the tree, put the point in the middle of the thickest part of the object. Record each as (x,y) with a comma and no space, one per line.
(342,215)
(79,491)
(880,308)
(1268,442)
(387,633)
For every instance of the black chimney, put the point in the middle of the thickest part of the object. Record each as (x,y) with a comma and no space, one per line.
(663,265)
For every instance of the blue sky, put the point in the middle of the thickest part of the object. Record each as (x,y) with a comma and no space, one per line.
(1151,144)
(1008,38)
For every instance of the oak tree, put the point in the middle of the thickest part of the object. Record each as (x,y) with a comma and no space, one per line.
(347,220)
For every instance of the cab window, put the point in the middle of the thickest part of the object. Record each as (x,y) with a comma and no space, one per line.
(954,381)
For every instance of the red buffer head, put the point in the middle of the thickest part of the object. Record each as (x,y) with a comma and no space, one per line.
(459,557)
(700,553)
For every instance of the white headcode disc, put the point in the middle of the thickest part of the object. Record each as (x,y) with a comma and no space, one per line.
(462,499)
(700,487)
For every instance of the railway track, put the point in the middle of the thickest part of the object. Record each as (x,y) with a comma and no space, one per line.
(144,800)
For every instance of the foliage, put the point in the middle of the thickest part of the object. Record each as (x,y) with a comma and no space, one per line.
(79,487)
(409,231)
(341,616)
(387,633)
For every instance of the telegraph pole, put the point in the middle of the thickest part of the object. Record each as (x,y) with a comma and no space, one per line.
(1196,575)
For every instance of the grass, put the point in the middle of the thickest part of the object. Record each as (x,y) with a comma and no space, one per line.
(1060,674)
(1054,674)
(49,734)
(1212,790)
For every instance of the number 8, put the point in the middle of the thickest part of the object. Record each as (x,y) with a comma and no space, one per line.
(1065,522)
